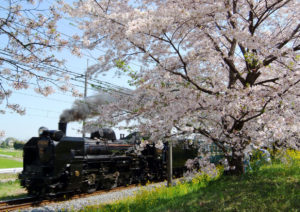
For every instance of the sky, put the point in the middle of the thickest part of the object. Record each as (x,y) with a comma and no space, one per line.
(45,111)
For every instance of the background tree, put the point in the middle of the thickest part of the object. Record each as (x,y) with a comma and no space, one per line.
(19,145)
(225,69)
(4,145)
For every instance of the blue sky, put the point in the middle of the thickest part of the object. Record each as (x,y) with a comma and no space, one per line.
(45,111)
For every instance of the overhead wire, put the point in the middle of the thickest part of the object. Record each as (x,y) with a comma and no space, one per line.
(46,98)
(45,110)
(36,115)
(95,84)
(76,77)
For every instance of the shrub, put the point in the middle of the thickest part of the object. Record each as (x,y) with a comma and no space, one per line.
(18,145)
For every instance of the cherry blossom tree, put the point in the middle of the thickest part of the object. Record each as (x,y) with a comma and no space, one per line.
(227,70)
(28,41)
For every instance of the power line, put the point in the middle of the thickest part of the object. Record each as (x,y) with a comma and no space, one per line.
(76,76)
(31,83)
(48,111)
(46,78)
(36,115)
(48,98)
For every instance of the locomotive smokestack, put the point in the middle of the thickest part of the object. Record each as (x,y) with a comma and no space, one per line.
(62,126)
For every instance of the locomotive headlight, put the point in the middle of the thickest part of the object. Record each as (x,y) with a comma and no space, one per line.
(41,130)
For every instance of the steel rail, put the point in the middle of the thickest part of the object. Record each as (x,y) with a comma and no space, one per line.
(27,202)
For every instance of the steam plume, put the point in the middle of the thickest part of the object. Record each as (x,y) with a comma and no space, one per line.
(82,109)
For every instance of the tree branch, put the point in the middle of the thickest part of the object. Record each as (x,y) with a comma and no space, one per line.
(173,72)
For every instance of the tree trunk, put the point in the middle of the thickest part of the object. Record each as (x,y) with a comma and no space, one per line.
(236,165)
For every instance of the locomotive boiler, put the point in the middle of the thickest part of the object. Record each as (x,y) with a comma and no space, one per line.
(55,163)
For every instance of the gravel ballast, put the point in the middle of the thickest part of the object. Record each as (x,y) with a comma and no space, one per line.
(77,204)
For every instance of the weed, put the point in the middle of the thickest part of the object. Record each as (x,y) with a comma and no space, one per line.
(11,190)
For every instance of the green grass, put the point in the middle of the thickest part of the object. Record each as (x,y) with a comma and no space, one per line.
(8,176)
(11,190)
(14,161)
(9,163)
(272,188)
(11,152)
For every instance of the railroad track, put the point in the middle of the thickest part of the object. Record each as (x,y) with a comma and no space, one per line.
(23,203)
(16,204)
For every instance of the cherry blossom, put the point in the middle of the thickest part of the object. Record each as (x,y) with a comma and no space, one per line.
(2,133)
(29,39)
(227,71)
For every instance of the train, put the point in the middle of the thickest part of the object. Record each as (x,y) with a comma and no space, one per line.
(54,163)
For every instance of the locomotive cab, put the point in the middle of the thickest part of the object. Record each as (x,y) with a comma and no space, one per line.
(39,150)
(39,160)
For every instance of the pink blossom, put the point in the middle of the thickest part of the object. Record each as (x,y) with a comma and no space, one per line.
(226,72)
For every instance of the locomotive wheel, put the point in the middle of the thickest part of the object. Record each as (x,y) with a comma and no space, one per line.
(91,179)
(90,184)
(36,191)
(143,178)
(124,179)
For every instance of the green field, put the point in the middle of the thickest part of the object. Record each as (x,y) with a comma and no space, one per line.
(9,163)
(9,185)
(13,159)
(271,188)
(13,153)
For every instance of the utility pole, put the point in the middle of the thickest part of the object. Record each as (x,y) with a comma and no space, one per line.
(85,94)
(170,164)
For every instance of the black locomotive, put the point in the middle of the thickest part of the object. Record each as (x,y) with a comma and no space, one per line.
(55,163)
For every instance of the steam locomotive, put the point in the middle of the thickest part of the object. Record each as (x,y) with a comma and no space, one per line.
(55,163)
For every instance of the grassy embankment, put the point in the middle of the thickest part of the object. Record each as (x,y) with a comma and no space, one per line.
(11,152)
(9,185)
(273,187)
(10,158)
